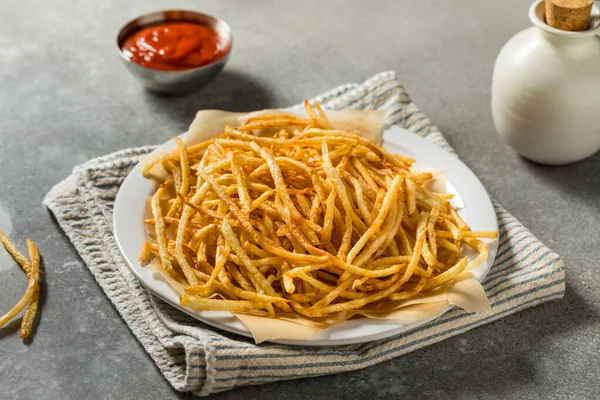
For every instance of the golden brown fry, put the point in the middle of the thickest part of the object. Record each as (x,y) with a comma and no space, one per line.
(410,196)
(449,246)
(199,303)
(431,236)
(221,258)
(146,254)
(33,276)
(15,253)
(184,167)
(314,119)
(481,234)
(160,229)
(340,188)
(358,194)
(324,120)
(174,221)
(254,125)
(27,322)
(242,189)
(21,304)
(329,214)
(481,248)
(261,199)
(447,275)
(408,293)
(29,317)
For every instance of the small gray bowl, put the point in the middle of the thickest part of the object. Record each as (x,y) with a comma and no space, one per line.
(175,82)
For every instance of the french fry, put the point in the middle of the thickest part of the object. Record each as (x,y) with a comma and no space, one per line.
(341,191)
(199,303)
(32,293)
(27,322)
(160,229)
(447,275)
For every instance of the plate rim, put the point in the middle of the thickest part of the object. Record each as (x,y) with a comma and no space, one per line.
(316,342)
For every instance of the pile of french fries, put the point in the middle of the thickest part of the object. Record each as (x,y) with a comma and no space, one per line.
(310,220)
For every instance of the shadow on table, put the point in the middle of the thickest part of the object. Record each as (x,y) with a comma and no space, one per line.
(493,360)
(12,327)
(580,179)
(231,91)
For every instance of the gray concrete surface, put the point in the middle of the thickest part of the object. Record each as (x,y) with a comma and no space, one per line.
(64,98)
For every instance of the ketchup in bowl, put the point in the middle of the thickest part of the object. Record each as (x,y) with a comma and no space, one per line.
(174,46)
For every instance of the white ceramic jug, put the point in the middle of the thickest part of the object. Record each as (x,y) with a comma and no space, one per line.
(546,91)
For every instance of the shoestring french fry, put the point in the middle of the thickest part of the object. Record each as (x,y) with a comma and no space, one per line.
(309,220)
(31,297)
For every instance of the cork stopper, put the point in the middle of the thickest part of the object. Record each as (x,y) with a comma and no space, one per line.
(568,15)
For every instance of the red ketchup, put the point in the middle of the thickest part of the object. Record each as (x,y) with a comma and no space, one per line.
(173,46)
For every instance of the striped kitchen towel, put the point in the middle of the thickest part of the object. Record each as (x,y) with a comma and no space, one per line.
(199,359)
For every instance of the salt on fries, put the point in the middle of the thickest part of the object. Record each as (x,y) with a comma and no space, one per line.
(32,294)
(311,219)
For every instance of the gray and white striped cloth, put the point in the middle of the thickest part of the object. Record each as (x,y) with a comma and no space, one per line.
(199,359)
